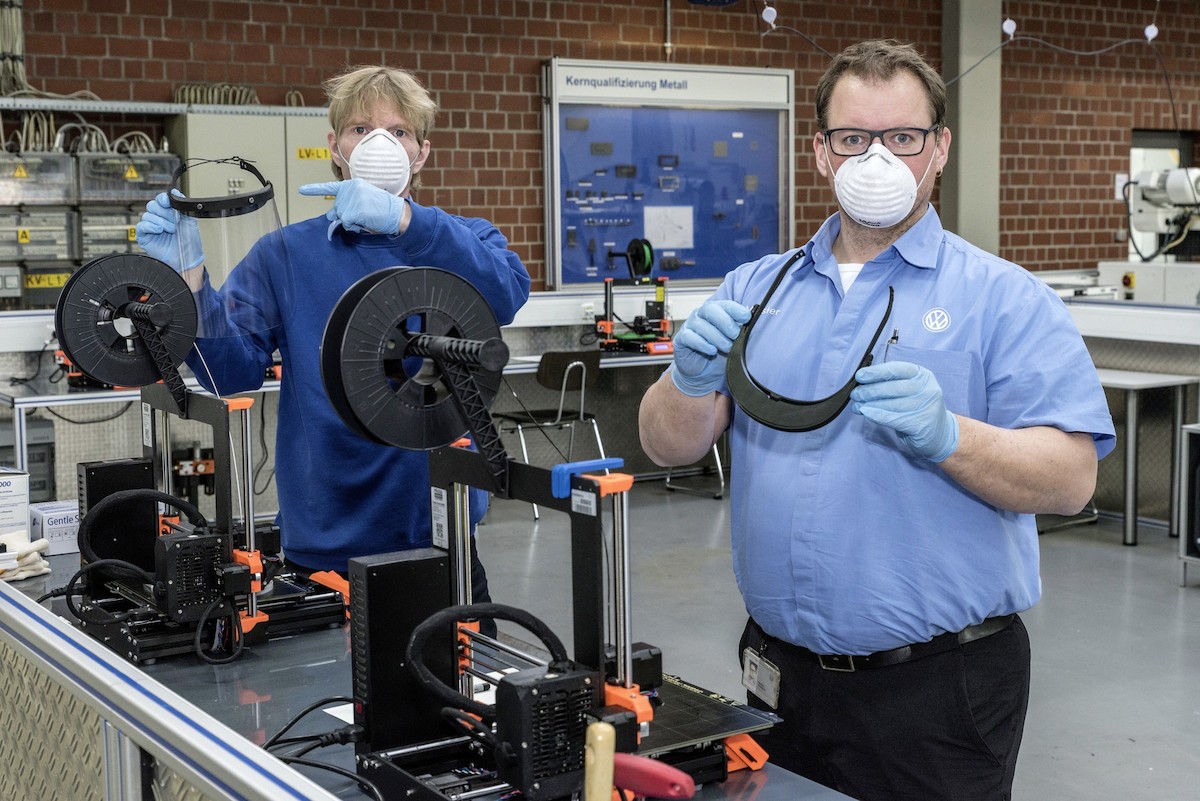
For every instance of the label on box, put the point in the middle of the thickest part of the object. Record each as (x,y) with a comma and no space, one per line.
(58,522)
(14,499)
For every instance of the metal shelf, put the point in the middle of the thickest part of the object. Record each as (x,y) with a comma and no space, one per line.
(164,109)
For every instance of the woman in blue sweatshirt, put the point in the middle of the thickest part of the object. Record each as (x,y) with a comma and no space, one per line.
(340,496)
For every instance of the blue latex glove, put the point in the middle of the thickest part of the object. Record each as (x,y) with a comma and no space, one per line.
(907,398)
(702,344)
(359,206)
(169,236)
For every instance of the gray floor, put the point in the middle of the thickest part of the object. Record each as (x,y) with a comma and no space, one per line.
(1115,708)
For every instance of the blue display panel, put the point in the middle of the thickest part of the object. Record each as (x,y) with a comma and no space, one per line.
(701,185)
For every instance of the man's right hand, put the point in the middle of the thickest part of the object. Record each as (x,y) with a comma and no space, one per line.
(169,236)
(703,343)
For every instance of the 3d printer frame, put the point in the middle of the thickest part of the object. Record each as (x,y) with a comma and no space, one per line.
(408,760)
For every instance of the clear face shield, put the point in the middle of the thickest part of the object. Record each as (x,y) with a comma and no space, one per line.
(229,223)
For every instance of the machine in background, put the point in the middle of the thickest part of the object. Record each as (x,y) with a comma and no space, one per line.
(1167,202)
(650,332)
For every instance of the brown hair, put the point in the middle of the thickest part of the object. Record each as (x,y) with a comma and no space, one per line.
(879,60)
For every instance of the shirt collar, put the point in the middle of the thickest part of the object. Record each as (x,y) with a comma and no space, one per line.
(918,246)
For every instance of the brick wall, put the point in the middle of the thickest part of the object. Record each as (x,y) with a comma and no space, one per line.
(1067,119)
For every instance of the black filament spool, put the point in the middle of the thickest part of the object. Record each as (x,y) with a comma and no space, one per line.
(379,388)
(94,327)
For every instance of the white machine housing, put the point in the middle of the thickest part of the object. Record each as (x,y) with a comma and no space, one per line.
(1165,201)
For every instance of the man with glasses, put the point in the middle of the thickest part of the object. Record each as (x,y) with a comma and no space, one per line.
(884,538)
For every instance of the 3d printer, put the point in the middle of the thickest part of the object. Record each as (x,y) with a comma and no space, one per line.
(154,587)
(415,662)
(649,332)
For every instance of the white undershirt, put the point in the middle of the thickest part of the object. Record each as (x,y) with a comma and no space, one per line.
(849,273)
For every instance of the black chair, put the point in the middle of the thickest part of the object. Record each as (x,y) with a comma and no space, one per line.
(568,372)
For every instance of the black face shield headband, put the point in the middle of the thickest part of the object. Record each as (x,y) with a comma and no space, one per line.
(778,411)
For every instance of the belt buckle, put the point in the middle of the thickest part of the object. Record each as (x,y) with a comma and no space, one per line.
(840,663)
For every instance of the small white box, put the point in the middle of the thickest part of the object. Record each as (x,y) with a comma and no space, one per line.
(58,522)
(14,500)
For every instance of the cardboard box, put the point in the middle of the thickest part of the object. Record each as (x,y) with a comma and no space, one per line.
(14,500)
(57,521)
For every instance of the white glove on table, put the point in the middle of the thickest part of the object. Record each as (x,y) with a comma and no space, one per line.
(21,558)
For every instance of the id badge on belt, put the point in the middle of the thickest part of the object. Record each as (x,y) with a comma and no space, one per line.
(760,677)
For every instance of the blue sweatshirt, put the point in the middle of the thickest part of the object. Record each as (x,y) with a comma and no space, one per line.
(340,496)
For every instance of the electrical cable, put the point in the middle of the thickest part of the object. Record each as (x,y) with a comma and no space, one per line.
(84,540)
(37,361)
(113,416)
(133,142)
(472,726)
(415,651)
(1183,220)
(266,452)
(369,786)
(237,635)
(215,94)
(118,565)
(352,733)
(12,56)
(84,535)
(315,705)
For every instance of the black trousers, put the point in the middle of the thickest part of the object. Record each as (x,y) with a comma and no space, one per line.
(946,727)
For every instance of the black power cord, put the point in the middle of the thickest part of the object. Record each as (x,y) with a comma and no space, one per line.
(95,561)
(455,700)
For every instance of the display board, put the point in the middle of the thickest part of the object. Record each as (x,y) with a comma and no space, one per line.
(697,161)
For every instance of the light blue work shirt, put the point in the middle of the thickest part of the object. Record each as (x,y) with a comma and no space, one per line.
(844,543)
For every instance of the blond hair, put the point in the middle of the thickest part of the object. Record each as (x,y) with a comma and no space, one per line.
(357,90)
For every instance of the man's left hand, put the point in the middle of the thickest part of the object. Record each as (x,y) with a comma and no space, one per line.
(359,206)
(908,399)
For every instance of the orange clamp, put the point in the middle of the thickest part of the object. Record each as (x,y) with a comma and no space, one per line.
(611,483)
(743,751)
(334,581)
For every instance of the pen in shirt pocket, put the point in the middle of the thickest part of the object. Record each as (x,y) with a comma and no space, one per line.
(895,340)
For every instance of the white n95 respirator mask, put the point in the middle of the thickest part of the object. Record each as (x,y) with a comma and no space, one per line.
(380,160)
(876,189)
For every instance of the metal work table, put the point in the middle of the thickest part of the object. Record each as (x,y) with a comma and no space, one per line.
(262,690)
(1133,383)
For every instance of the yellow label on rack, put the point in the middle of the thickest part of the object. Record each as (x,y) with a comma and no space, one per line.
(312,153)
(131,234)
(46,280)
(22,236)
(20,171)
(131,174)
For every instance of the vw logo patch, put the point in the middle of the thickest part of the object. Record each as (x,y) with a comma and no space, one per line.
(936,320)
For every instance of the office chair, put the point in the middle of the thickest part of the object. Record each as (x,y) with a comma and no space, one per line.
(567,372)
(720,493)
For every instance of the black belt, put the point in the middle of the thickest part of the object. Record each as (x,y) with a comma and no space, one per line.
(847,663)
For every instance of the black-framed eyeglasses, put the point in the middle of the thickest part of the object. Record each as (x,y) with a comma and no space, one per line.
(903,142)
(779,411)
